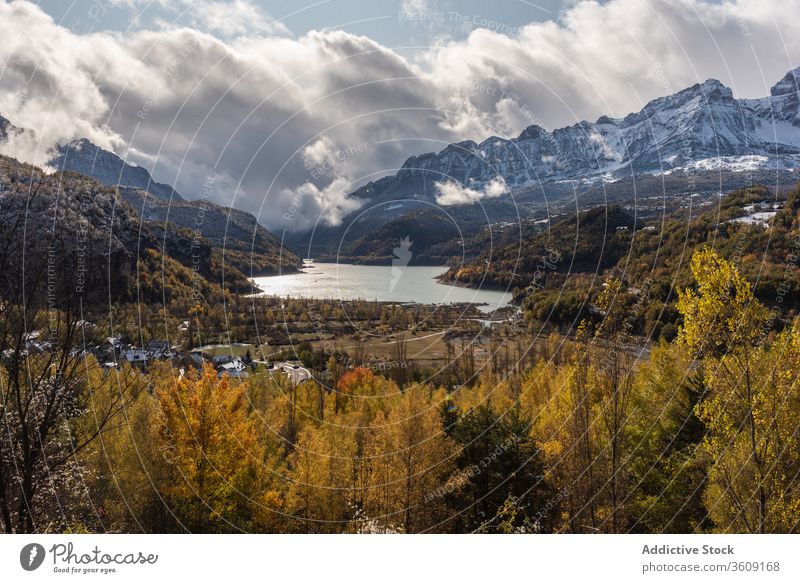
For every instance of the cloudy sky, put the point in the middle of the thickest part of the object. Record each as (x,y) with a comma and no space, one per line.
(286,106)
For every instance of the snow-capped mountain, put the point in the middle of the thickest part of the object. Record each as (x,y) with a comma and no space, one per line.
(699,139)
(702,127)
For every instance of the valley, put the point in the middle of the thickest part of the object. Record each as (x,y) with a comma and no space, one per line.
(556,332)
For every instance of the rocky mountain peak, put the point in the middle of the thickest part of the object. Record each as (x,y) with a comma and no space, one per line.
(788,85)
(532,132)
(8,129)
(713,89)
(87,158)
(703,127)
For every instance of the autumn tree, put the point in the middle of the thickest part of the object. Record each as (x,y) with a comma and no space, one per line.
(612,380)
(667,463)
(412,459)
(324,478)
(210,439)
(126,466)
(330,466)
(750,410)
(563,405)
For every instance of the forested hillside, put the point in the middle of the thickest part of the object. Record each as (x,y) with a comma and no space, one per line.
(103,252)
(701,437)
(558,273)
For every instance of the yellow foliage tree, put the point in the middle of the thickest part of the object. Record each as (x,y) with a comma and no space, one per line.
(722,314)
(751,408)
(210,439)
(412,458)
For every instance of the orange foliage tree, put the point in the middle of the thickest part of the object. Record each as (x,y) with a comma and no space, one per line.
(210,438)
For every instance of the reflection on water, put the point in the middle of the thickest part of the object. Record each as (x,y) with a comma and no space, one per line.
(377,282)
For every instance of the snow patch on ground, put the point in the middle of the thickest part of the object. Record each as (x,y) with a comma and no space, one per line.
(759,218)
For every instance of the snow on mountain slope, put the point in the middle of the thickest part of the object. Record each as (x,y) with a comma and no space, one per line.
(703,127)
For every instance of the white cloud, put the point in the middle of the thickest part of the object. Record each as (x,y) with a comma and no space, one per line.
(227,18)
(333,199)
(319,153)
(234,18)
(606,150)
(415,6)
(451,193)
(613,57)
(258,107)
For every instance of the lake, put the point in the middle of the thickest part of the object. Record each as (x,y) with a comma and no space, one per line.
(377,282)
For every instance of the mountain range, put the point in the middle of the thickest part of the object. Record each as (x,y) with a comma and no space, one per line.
(84,157)
(237,239)
(237,235)
(701,127)
(699,139)
(103,250)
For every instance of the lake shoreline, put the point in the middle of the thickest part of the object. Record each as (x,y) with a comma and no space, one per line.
(385,284)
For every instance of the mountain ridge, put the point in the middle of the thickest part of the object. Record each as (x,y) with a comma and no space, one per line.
(697,123)
(86,158)
(237,237)
(701,138)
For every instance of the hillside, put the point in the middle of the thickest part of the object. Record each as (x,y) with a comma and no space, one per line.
(435,238)
(67,230)
(238,238)
(558,272)
(586,242)
(83,242)
(235,235)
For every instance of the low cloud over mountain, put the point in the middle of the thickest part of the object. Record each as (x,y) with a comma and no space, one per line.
(288,126)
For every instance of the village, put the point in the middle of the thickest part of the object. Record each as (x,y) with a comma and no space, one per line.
(120,350)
